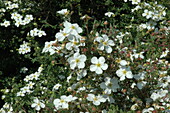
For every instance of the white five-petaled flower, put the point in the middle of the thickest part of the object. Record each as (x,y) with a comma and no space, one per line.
(164,53)
(62,103)
(98,65)
(147,14)
(105,43)
(109,14)
(124,72)
(56,87)
(77,60)
(6,23)
(95,99)
(74,42)
(73,29)
(38,104)
(110,85)
(63,12)
(60,36)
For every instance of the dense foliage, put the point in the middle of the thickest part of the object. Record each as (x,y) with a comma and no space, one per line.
(82,56)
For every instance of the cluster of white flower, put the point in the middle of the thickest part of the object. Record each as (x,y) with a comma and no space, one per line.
(49,47)
(24,48)
(137,55)
(70,34)
(36,32)
(18,19)
(7,108)
(10,5)
(158,13)
(27,89)
(158,94)
(63,102)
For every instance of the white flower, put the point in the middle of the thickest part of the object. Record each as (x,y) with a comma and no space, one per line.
(164,53)
(95,99)
(20,93)
(138,55)
(35,75)
(98,65)
(109,14)
(23,70)
(49,48)
(29,17)
(105,43)
(62,103)
(73,29)
(56,87)
(110,85)
(81,74)
(61,35)
(63,12)
(147,13)
(148,110)
(38,104)
(77,60)
(124,72)
(37,32)
(135,1)
(141,84)
(123,62)
(41,33)
(25,89)
(24,48)
(30,85)
(6,23)
(74,42)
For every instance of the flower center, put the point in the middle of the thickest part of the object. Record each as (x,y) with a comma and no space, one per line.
(64,34)
(38,103)
(75,43)
(105,43)
(77,60)
(62,101)
(124,71)
(72,27)
(95,99)
(110,84)
(98,65)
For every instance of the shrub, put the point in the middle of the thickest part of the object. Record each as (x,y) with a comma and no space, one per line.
(71,56)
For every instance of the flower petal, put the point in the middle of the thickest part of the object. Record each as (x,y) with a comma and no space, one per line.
(104,66)
(94,60)
(99,70)
(101,60)
(93,67)
(81,65)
